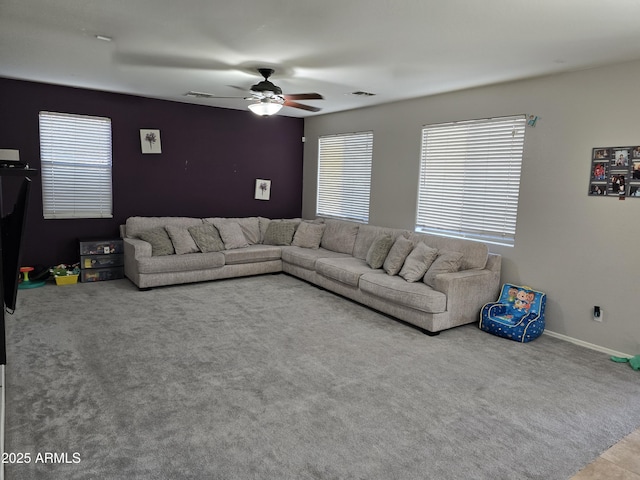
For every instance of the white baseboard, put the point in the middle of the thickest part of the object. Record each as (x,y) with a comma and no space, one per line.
(587,344)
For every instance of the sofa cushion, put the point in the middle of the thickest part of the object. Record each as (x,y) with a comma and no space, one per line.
(252,254)
(250,226)
(308,235)
(159,240)
(206,237)
(445,262)
(395,289)
(135,225)
(339,236)
(182,240)
(180,263)
(418,262)
(366,236)
(307,257)
(279,233)
(474,254)
(399,251)
(379,250)
(344,270)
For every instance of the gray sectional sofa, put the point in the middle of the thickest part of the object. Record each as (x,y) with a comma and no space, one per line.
(432,282)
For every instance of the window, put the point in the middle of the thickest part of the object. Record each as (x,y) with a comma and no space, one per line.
(75,153)
(470,179)
(344,176)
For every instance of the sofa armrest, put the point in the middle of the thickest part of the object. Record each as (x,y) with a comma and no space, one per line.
(494,263)
(134,248)
(467,292)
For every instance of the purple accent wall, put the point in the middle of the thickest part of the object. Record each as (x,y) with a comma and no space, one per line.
(210,160)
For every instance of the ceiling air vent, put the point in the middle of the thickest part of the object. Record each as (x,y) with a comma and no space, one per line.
(199,94)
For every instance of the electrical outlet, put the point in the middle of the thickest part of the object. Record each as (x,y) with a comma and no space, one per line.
(597,314)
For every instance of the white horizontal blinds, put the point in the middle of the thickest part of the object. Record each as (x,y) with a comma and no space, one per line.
(470,179)
(344,175)
(75,152)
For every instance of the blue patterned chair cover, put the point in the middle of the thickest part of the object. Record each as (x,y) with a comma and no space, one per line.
(517,315)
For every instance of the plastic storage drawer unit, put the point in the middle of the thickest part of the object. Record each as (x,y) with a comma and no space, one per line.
(101,247)
(102,261)
(101,274)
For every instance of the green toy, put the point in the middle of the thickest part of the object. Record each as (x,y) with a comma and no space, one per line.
(633,361)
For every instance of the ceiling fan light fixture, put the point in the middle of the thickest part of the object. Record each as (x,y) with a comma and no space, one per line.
(265,108)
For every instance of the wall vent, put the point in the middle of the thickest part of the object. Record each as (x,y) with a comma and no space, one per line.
(199,94)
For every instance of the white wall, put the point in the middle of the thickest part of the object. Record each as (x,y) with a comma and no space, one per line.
(582,251)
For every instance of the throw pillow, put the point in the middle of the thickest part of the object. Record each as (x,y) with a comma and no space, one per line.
(263,224)
(159,240)
(136,225)
(399,251)
(418,262)
(279,233)
(206,237)
(378,251)
(250,227)
(232,235)
(308,235)
(181,239)
(445,262)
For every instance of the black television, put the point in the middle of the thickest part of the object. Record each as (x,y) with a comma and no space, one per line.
(12,227)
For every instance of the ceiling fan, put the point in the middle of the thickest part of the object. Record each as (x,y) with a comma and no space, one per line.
(269,97)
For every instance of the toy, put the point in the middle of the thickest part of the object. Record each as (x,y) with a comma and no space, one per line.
(518,314)
(634,362)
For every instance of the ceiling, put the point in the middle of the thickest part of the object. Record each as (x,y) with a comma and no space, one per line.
(396,49)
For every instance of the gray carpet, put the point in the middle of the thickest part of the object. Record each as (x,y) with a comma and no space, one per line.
(271,378)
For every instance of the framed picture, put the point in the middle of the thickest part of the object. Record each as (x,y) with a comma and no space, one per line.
(263,189)
(150,141)
(615,171)
(601,154)
(620,158)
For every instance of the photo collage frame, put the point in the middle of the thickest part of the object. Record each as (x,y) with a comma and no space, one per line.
(615,171)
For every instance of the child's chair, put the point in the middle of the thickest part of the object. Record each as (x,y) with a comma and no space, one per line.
(517,315)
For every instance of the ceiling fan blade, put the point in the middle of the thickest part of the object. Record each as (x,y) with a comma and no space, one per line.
(289,103)
(237,98)
(194,94)
(304,96)
(141,60)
